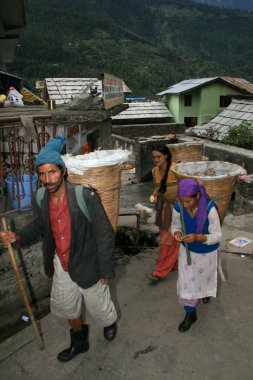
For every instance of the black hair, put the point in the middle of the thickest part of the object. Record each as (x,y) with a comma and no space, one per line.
(62,168)
(164,150)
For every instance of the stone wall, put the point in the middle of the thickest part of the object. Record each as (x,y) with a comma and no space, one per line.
(147,130)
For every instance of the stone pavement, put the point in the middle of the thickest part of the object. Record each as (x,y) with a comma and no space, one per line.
(219,346)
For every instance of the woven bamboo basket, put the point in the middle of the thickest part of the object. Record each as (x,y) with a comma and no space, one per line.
(106,180)
(183,152)
(218,177)
(186,152)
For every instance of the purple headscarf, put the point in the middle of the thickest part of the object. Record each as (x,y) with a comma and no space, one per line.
(189,187)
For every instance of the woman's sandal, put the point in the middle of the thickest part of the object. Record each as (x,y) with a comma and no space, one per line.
(154,279)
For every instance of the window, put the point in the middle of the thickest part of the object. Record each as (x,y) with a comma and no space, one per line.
(188,100)
(225,101)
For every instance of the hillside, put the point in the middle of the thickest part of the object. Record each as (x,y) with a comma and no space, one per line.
(151,44)
(232,4)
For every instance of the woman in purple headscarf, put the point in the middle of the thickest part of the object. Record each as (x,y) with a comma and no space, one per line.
(196,226)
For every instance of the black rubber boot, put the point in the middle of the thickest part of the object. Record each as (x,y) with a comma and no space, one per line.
(79,343)
(205,299)
(110,331)
(188,320)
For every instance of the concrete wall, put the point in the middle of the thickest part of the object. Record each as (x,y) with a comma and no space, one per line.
(104,131)
(173,106)
(147,130)
(123,143)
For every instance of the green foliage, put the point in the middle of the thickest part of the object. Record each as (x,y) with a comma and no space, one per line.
(211,134)
(240,135)
(150,44)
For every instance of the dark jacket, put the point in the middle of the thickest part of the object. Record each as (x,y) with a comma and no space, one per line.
(92,244)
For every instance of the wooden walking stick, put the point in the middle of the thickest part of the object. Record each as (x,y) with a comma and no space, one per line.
(23,291)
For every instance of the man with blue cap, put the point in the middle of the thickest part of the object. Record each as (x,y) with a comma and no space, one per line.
(78,251)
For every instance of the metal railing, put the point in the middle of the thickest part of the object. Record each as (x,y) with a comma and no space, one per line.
(18,150)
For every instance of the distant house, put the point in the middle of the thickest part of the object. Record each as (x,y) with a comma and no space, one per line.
(196,101)
(63,90)
(143,112)
(238,111)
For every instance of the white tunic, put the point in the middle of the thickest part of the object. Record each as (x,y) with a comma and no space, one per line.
(199,279)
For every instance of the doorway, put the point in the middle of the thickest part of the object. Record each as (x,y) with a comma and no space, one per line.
(190,121)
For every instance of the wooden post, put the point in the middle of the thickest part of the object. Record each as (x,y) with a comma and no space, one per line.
(23,291)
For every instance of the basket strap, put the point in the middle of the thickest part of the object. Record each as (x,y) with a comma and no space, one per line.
(189,260)
(81,202)
(213,199)
(40,195)
(79,197)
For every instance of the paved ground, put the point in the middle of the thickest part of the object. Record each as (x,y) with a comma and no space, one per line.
(219,346)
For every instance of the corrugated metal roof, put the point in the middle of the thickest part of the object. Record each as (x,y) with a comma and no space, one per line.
(186,85)
(234,114)
(240,82)
(63,90)
(144,110)
(189,84)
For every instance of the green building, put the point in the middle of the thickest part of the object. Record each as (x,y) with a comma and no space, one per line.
(196,101)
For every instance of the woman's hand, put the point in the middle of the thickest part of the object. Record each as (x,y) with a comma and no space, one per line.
(178,236)
(189,238)
(104,281)
(153,197)
(194,237)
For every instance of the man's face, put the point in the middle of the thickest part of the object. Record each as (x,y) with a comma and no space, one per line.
(51,176)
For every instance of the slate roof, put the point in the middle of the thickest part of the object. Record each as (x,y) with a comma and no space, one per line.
(189,84)
(144,110)
(234,114)
(63,90)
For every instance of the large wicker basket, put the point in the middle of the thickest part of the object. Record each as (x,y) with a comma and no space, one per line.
(218,177)
(186,152)
(106,180)
(183,152)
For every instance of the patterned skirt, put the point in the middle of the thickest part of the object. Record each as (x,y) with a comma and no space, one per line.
(199,279)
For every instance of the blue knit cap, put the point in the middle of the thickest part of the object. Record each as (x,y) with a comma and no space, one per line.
(50,154)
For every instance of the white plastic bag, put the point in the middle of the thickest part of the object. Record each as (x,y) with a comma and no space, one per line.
(14,98)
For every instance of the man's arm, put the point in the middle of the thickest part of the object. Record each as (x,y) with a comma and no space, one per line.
(34,229)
